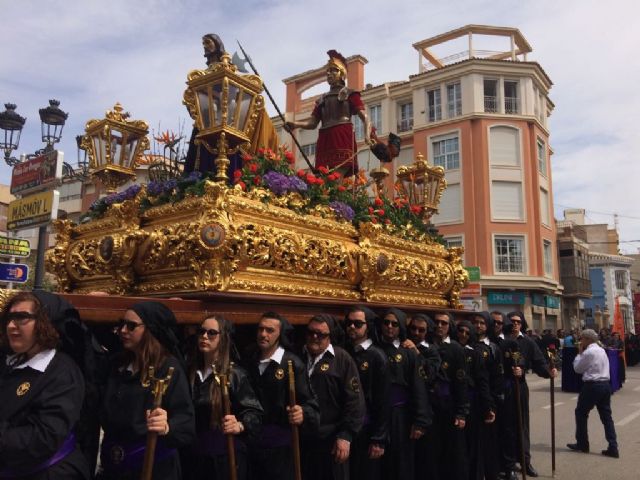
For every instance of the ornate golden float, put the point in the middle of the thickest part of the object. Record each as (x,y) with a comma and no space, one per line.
(230,240)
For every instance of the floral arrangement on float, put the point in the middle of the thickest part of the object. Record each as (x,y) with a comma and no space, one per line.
(270,176)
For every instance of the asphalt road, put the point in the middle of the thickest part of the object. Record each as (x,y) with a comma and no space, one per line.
(572,465)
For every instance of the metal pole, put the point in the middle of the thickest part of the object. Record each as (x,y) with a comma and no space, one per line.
(39,275)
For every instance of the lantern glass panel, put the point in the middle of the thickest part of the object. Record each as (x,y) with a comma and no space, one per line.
(116,147)
(216,98)
(203,106)
(132,146)
(11,138)
(100,151)
(232,104)
(245,102)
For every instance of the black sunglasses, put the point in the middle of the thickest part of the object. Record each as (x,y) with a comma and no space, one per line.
(498,322)
(441,322)
(463,331)
(315,333)
(211,332)
(413,328)
(20,318)
(391,323)
(355,323)
(130,325)
(516,321)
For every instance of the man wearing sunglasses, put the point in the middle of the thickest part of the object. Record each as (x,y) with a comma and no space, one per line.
(270,455)
(531,358)
(498,322)
(334,379)
(411,412)
(451,404)
(369,445)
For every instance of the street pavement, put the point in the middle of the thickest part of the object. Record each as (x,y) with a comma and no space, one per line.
(570,465)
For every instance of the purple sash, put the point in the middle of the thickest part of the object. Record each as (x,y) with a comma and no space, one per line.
(214,442)
(68,446)
(399,395)
(274,436)
(115,456)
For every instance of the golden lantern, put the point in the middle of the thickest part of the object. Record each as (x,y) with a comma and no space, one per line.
(225,107)
(423,185)
(114,145)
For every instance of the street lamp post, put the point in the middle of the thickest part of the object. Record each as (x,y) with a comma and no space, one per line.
(52,120)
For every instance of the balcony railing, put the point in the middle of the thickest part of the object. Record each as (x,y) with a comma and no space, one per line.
(511,105)
(490,104)
(435,113)
(455,108)
(405,125)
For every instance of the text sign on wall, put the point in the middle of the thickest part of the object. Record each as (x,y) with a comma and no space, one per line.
(14,247)
(33,210)
(39,173)
(14,272)
(474,273)
(505,298)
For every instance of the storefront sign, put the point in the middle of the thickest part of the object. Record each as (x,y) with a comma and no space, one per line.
(14,247)
(471,290)
(33,210)
(39,173)
(474,273)
(473,304)
(13,272)
(552,302)
(505,298)
(538,299)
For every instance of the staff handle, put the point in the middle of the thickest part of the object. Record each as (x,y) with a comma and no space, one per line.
(159,387)
(295,434)
(523,464)
(552,396)
(226,405)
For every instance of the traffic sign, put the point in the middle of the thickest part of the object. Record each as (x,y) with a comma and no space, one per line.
(14,247)
(33,210)
(36,174)
(474,273)
(14,272)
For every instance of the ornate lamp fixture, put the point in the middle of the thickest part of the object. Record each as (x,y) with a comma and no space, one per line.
(423,185)
(11,125)
(114,145)
(378,175)
(52,122)
(225,107)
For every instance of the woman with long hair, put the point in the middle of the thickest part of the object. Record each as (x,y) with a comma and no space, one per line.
(208,457)
(147,333)
(41,395)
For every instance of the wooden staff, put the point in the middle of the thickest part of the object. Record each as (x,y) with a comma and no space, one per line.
(223,381)
(295,435)
(158,388)
(551,352)
(516,358)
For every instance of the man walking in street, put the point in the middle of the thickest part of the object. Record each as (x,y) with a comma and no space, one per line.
(593,364)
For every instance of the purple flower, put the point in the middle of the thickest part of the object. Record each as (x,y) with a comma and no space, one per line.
(155,189)
(342,210)
(280,183)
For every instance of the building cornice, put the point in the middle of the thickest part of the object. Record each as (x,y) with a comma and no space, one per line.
(603,259)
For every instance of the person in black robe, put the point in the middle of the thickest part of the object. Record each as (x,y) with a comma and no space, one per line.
(334,379)
(411,412)
(531,358)
(208,457)
(271,454)
(489,467)
(420,330)
(41,395)
(482,406)
(451,403)
(147,333)
(369,445)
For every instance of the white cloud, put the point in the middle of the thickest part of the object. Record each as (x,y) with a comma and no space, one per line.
(90,54)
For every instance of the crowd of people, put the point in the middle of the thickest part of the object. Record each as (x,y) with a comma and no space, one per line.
(370,395)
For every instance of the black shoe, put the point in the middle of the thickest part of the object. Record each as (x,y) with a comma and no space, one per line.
(531,472)
(511,475)
(611,452)
(577,448)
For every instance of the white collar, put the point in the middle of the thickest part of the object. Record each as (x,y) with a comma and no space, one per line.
(424,344)
(204,374)
(40,361)
(276,357)
(366,344)
(447,339)
(486,341)
(396,343)
(469,347)
(501,336)
(328,349)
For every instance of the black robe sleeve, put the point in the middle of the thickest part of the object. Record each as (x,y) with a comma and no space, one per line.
(177,402)
(459,385)
(353,408)
(481,379)
(380,396)
(244,403)
(422,415)
(305,397)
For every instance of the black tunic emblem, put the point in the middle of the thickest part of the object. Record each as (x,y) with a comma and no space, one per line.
(364,366)
(23,388)
(279,374)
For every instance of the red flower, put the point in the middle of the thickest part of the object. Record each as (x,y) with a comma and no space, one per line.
(301,173)
(370,210)
(341,188)
(290,158)
(323,170)
(237,174)
(380,212)
(246,157)
(417,209)
(319,181)
(311,178)
(333,177)
(387,221)
(243,186)
(374,220)
(257,179)
(253,167)
(261,152)
(378,202)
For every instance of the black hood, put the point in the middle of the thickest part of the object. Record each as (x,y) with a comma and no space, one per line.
(507,328)
(402,321)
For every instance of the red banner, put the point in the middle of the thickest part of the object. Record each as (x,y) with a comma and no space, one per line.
(38,173)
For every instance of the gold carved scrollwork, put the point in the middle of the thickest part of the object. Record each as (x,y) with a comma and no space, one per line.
(460,274)
(56,257)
